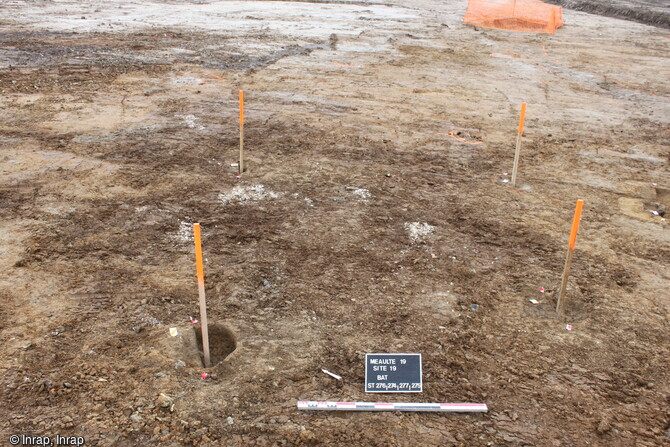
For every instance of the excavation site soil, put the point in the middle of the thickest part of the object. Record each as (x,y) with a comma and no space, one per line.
(375,214)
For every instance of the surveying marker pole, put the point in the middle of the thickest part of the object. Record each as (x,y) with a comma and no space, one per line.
(201,293)
(391,406)
(518,143)
(241,164)
(568,258)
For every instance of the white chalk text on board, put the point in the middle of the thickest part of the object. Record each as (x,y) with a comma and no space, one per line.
(393,373)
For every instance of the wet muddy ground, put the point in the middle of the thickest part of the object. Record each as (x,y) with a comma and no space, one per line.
(376,209)
(649,12)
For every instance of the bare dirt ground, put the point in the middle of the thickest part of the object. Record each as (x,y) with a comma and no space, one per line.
(119,125)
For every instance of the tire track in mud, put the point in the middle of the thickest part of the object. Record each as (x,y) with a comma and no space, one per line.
(637,11)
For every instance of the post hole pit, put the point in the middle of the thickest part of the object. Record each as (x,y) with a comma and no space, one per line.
(222,343)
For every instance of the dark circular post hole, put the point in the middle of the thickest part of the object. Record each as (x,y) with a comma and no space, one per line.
(222,342)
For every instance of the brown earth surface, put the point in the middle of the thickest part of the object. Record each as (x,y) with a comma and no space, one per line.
(374,212)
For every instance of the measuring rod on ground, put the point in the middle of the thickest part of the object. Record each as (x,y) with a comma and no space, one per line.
(392,406)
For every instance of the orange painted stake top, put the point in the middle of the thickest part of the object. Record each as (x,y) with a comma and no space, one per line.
(198,253)
(523,117)
(241,107)
(575,224)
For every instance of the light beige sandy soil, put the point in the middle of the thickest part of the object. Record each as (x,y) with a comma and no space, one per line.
(118,125)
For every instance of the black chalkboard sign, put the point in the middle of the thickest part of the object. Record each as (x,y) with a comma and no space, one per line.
(393,373)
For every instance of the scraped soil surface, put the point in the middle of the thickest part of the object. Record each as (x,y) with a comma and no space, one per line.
(375,210)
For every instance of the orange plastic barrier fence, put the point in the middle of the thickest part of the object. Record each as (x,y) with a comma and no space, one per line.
(527,16)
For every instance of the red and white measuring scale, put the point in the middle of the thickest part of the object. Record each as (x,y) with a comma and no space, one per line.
(390,406)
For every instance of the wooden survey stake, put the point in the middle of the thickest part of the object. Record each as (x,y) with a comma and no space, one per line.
(201,293)
(241,163)
(518,143)
(568,258)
